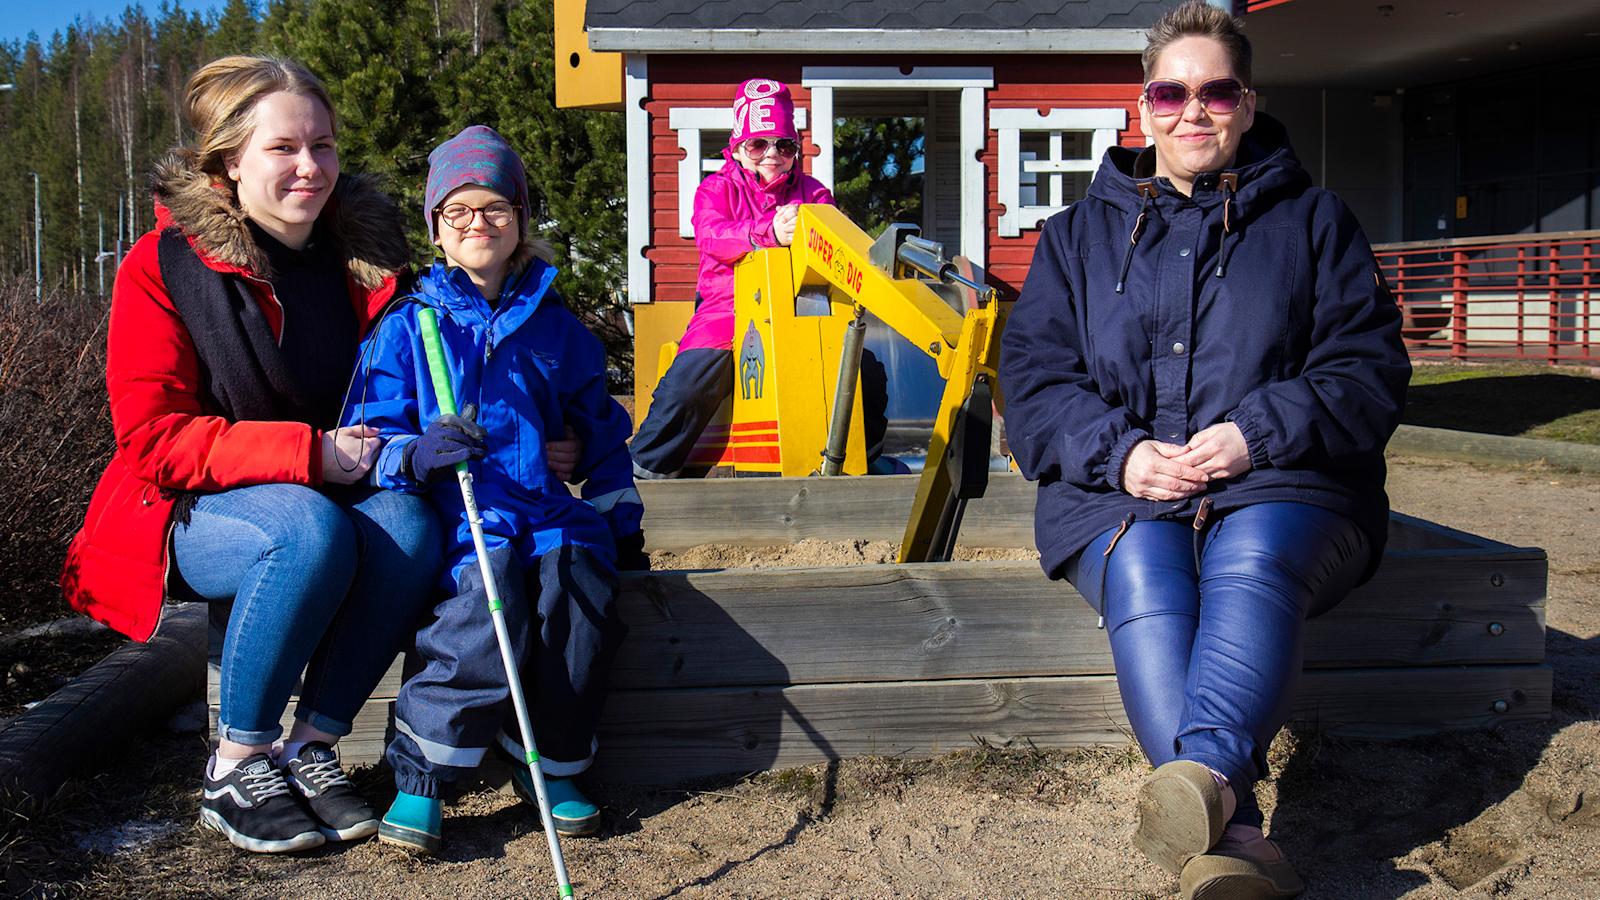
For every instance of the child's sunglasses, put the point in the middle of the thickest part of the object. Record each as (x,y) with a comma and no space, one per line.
(1219,97)
(756,148)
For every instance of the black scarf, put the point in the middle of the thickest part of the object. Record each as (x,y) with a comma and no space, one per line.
(244,375)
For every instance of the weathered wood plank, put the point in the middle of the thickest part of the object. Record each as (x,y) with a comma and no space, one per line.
(1411,533)
(773,511)
(667,736)
(363,746)
(776,511)
(664,736)
(1005,619)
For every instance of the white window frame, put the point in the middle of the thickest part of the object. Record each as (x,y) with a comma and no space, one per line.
(688,122)
(972,81)
(636,87)
(1105,125)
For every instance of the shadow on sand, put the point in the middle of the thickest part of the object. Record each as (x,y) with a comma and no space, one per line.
(1348,811)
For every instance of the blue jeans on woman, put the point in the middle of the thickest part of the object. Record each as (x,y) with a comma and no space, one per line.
(335,578)
(1208,657)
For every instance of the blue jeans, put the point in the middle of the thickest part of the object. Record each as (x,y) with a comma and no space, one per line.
(335,578)
(1208,658)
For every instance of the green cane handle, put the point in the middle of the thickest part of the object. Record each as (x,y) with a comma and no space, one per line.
(438,369)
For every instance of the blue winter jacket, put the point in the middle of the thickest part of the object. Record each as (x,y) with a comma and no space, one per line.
(532,369)
(1147,314)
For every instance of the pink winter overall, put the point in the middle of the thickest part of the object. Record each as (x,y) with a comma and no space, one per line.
(733,214)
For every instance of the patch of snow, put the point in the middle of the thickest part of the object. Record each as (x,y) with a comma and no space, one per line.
(128,836)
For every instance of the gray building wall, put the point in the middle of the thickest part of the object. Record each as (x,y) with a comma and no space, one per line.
(1351,143)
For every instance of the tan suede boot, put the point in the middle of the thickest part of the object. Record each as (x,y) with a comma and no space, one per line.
(1182,812)
(1244,865)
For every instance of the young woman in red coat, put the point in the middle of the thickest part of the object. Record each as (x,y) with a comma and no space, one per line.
(234,328)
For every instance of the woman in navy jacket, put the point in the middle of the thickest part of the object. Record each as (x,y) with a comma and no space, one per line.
(1201,372)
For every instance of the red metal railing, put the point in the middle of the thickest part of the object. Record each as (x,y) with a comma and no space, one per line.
(1524,297)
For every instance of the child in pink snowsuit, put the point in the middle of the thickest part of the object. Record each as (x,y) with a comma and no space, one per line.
(749,204)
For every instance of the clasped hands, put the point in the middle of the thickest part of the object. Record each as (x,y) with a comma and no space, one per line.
(349,452)
(1157,470)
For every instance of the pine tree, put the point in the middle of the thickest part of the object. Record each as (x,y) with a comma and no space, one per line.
(234,30)
(576,170)
(379,60)
(283,21)
(182,44)
(96,105)
(875,183)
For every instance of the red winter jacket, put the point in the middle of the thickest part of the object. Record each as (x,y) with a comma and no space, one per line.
(116,568)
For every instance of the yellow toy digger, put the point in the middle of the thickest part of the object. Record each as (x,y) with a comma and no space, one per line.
(798,336)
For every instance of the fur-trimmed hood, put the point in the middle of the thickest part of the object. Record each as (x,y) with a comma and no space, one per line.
(364,222)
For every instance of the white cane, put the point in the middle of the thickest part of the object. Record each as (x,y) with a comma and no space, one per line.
(439,372)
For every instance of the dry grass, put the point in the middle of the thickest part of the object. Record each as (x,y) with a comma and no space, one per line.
(55,437)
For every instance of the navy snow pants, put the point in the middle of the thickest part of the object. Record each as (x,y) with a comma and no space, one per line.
(450,712)
(694,386)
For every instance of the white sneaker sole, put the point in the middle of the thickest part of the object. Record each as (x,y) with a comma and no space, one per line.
(355,832)
(303,841)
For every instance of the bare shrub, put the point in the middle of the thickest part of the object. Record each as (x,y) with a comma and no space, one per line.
(55,438)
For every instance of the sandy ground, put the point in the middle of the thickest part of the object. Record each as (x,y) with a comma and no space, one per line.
(1513,813)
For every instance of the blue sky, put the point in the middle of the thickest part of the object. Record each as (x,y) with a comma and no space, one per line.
(46,17)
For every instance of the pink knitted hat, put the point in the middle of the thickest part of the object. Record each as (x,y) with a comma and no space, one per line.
(762,108)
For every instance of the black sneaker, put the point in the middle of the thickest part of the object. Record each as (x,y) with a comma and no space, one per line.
(253,807)
(341,812)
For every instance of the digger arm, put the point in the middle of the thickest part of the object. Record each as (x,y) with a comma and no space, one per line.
(829,249)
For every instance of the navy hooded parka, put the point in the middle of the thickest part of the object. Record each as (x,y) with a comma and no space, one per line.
(1148,314)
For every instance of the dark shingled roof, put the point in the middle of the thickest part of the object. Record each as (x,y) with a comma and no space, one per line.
(884,14)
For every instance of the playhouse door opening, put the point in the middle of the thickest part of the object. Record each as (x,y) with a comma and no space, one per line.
(897,159)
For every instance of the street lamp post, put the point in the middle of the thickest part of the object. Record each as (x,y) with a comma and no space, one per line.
(38,257)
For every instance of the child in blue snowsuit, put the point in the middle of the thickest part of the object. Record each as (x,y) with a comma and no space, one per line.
(523,369)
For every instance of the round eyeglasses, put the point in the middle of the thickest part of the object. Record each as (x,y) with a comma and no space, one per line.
(459,215)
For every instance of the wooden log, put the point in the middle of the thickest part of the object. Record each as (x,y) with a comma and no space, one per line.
(1467,446)
(70,627)
(658,737)
(135,686)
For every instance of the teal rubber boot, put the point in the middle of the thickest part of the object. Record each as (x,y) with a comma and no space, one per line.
(413,822)
(575,815)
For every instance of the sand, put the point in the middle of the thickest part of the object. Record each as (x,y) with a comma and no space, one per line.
(1513,813)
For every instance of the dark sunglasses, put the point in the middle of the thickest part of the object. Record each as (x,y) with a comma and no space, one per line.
(757,147)
(1220,97)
